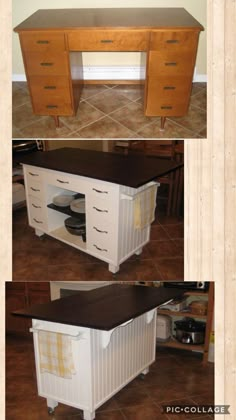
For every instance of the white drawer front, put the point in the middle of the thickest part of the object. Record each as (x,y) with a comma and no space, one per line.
(35,188)
(66,181)
(100,212)
(36,214)
(102,190)
(33,173)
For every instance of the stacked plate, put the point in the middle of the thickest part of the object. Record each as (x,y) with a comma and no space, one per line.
(62,200)
(76,227)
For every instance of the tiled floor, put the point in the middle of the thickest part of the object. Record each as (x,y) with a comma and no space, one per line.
(108,111)
(47,259)
(177,377)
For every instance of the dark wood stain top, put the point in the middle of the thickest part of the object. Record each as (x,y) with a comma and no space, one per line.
(132,171)
(146,18)
(104,308)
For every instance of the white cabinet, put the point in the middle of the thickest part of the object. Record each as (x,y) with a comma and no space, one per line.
(109,210)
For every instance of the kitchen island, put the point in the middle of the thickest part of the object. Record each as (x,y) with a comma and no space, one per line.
(111,185)
(112,332)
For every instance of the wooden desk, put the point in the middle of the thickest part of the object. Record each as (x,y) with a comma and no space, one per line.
(52,42)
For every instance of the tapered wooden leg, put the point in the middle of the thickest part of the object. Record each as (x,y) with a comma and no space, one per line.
(56,119)
(163,120)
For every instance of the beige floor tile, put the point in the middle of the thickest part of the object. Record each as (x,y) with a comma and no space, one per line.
(132,117)
(105,128)
(85,115)
(109,101)
(45,128)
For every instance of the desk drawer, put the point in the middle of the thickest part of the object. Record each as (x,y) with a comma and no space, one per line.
(174,41)
(166,89)
(54,87)
(166,64)
(47,64)
(108,40)
(43,41)
(52,106)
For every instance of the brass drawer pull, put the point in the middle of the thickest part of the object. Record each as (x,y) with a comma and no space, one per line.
(63,182)
(31,173)
(171,64)
(166,107)
(37,221)
(40,41)
(34,189)
(51,106)
(101,211)
(36,207)
(50,87)
(172,41)
(106,41)
(46,64)
(100,231)
(100,192)
(100,249)
(169,88)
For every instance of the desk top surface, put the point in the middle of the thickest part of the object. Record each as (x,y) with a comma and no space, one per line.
(146,18)
(104,308)
(129,170)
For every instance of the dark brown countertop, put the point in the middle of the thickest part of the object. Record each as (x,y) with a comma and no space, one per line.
(104,308)
(146,18)
(131,171)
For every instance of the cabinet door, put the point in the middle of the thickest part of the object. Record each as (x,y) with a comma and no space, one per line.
(15,300)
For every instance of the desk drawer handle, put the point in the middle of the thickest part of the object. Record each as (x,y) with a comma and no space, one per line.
(37,221)
(51,106)
(169,88)
(63,182)
(106,41)
(40,41)
(50,87)
(100,192)
(100,231)
(172,41)
(101,211)
(32,174)
(171,64)
(166,107)
(36,207)
(100,249)
(34,189)
(46,64)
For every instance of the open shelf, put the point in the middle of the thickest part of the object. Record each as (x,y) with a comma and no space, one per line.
(180,313)
(63,235)
(177,345)
(67,210)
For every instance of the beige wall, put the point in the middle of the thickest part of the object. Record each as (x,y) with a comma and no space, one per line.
(24,8)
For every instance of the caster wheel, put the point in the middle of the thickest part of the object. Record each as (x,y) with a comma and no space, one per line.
(50,410)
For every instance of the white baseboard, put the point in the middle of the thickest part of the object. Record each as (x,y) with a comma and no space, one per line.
(113,73)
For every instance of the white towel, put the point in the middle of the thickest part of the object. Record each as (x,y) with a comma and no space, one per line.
(55,352)
(144,207)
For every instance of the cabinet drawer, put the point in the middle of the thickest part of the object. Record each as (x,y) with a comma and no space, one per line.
(165,108)
(34,188)
(174,41)
(52,106)
(64,181)
(36,207)
(53,87)
(166,89)
(47,63)
(33,173)
(161,63)
(108,40)
(100,213)
(102,191)
(101,245)
(43,41)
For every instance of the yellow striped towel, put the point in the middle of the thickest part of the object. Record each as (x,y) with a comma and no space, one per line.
(55,351)
(144,207)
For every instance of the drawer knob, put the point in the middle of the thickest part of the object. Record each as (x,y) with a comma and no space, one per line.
(42,41)
(36,207)
(106,41)
(32,174)
(37,221)
(100,231)
(51,106)
(166,107)
(102,211)
(63,182)
(50,87)
(172,41)
(169,88)
(100,192)
(46,64)
(171,63)
(34,189)
(100,249)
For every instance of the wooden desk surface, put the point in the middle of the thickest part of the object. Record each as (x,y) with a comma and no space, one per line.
(146,18)
(103,308)
(131,171)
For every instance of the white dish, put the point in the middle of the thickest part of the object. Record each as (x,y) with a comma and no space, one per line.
(62,200)
(78,205)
